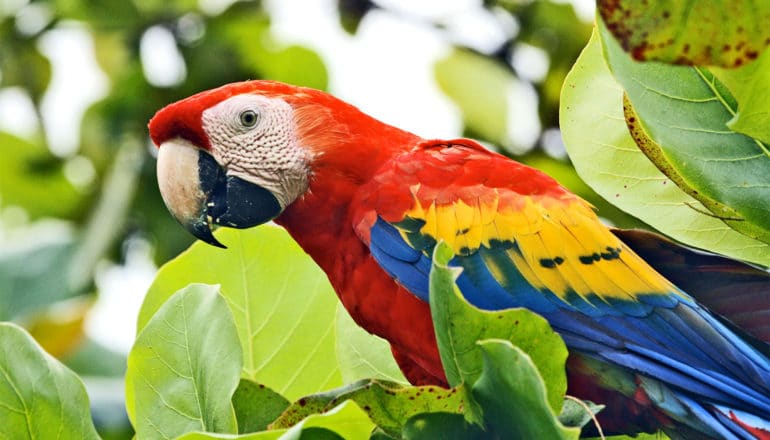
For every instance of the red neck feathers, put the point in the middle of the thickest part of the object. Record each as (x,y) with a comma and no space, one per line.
(348,148)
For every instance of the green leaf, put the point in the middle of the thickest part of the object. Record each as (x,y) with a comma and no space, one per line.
(608,159)
(262,435)
(32,178)
(185,366)
(387,404)
(39,397)
(727,33)
(285,318)
(577,413)
(750,85)
(348,420)
(256,406)
(40,271)
(362,355)
(459,326)
(514,396)
(684,112)
(445,426)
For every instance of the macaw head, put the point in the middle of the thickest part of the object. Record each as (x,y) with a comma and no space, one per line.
(240,154)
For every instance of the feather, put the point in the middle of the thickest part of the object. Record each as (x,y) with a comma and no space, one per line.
(737,291)
(547,251)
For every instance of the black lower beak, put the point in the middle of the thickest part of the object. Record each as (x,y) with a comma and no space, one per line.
(229,201)
(198,192)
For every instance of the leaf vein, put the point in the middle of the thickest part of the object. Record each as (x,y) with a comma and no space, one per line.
(27,415)
(196,391)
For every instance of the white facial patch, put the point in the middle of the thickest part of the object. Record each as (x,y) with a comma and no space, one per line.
(254,137)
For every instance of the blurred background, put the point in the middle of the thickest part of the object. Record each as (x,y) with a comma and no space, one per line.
(82,226)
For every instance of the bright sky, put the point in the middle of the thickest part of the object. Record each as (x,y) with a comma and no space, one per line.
(386,69)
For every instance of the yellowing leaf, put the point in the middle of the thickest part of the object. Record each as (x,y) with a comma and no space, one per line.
(727,33)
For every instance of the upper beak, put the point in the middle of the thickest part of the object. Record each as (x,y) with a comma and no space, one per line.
(198,192)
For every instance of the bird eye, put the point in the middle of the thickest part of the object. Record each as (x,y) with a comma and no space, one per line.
(249,118)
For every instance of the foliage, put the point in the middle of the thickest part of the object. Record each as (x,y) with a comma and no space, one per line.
(607,156)
(252,254)
(689,143)
(283,317)
(39,397)
(181,374)
(693,33)
(242,355)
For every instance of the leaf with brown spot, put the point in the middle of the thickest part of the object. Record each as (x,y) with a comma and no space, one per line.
(607,158)
(388,404)
(727,33)
(681,125)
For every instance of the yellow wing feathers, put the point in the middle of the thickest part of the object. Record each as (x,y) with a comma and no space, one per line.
(555,244)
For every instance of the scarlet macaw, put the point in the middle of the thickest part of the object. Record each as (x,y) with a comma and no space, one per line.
(369,201)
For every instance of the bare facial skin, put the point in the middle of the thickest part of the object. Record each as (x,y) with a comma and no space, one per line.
(254,138)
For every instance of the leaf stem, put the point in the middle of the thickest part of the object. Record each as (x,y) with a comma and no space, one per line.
(591,413)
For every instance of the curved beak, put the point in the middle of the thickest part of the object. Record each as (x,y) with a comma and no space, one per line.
(198,192)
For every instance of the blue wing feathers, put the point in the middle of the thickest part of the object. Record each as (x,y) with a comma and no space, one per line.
(481,288)
(711,420)
(410,267)
(666,337)
(387,238)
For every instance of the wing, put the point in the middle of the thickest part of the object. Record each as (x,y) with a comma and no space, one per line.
(524,241)
(738,291)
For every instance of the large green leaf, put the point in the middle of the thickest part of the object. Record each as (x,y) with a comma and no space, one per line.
(514,397)
(387,404)
(715,32)
(283,305)
(185,366)
(32,178)
(39,397)
(362,355)
(685,111)
(608,159)
(459,326)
